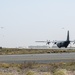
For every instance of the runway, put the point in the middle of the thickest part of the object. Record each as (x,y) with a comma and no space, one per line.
(38,58)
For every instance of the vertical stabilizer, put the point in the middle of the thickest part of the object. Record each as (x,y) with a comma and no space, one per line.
(68,35)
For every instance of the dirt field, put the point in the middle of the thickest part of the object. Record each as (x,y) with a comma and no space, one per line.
(9,51)
(37,69)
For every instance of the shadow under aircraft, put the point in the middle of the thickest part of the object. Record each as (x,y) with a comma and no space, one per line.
(60,43)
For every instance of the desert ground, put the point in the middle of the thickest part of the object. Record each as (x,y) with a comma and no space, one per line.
(37,68)
(32,68)
(10,51)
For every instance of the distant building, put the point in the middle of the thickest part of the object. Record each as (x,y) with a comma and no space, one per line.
(38,47)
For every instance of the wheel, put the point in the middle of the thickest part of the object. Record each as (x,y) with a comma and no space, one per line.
(65,47)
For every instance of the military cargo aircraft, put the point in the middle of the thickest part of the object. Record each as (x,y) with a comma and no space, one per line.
(60,43)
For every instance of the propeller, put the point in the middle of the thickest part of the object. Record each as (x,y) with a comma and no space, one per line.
(48,42)
(70,44)
(74,42)
(54,41)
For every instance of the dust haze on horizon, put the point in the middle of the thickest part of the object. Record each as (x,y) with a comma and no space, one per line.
(22,22)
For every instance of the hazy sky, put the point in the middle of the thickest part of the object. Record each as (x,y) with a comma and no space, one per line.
(26,21)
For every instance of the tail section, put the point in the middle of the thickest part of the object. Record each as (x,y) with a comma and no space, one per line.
(68,35)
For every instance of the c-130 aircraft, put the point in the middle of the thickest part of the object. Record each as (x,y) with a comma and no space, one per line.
(60,43)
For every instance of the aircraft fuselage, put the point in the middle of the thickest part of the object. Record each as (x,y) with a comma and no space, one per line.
(63,44)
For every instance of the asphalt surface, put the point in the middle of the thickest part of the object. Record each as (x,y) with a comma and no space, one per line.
(38,58)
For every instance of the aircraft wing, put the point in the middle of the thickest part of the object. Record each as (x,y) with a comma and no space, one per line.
(47,42)
(55,41)
(73,41)
(40,41)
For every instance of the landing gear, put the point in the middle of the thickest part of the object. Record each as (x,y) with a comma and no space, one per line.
(59,46)
(65,47)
